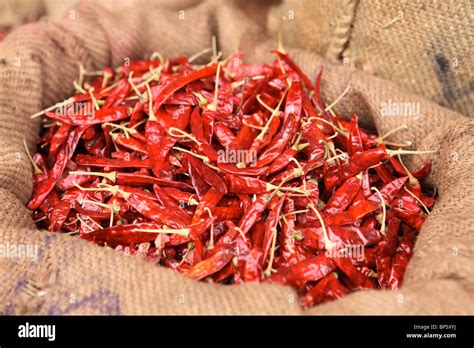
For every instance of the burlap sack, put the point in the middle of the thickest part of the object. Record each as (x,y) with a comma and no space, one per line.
(16,12)
(38,63)
(425,46)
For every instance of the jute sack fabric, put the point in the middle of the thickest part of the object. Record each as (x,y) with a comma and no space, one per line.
(425,46)
(13,13)
(67,275)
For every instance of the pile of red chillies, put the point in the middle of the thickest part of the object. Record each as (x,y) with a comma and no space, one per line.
(229,173)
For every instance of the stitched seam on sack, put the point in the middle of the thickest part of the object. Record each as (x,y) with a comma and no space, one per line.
(343,30)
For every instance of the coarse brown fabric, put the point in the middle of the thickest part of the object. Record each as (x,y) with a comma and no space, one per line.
(14,13)
(38,64)
(425,46)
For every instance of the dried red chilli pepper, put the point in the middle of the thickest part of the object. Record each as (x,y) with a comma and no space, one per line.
(213,264)
(198,183)
(69,181)
(285,57)
(210,199)
(294,102)
(253,269)
(253,213)
(248,132)
(182,98)
(419,174)
(41,171)
(174,116)
(305,271)
(263,140)
(324,288)
(316,139)
(169,203)
(401,257)
(208,175)
(241,71)
(414,195)
(156,212)
(59,214)
(290,172)
(251,96)
(138,179)
(175,84)
(100,214)
(118,94)
(388,245)
(59,137)
(94,161)
(343,196)
(208,116)
(196,126)
(226,213)
(280,141)
(158,146)
(354,139)
(390,190)
(362,161)
(89,134)
(397,270)
(130,143)
(316,97)
(63,156)
(123,234)
(281,161)
(312,198)
(256,235)
(357,278)
(224,135)
(245,184)
(366,184)
(180,196)
(412,218)
(384,173)
(289,256)
(354,213)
